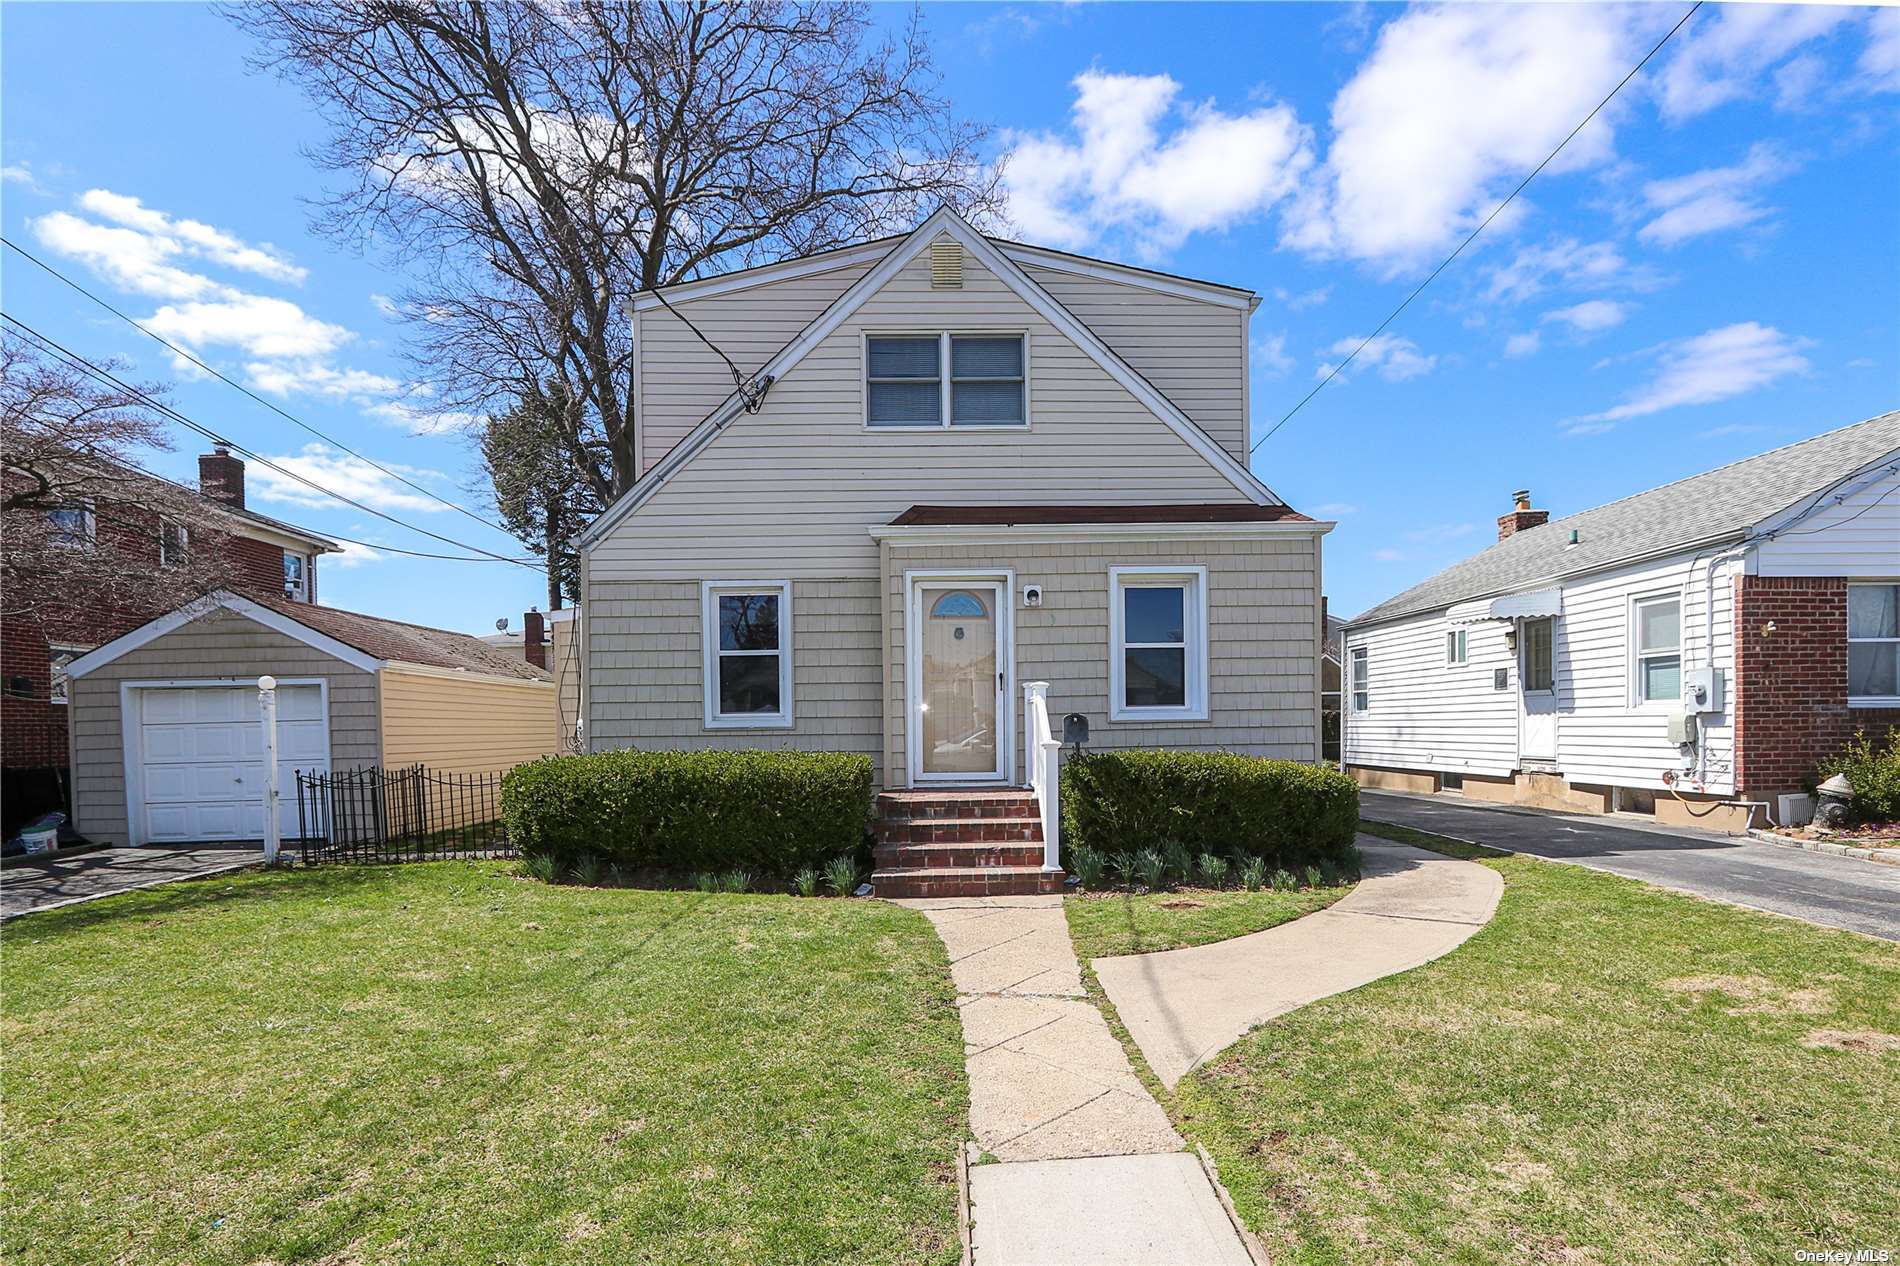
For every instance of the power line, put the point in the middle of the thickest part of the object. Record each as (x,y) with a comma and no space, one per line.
(751,396)
(101,375)
(181,352)
(1335,371)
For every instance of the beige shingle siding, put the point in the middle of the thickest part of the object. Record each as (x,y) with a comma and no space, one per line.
(464,723)
(790,491)
(1263,651)
(645,670)
(682,380)
(221,644)
(1193,351)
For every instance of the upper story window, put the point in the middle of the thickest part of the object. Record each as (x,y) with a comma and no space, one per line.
(747,630)
(1656,649)
(1873,645)
(59,657)
(71,527)
(1361,677)
(1158,618)
(296,577)
(925,380)
(174,542)
(1457,647)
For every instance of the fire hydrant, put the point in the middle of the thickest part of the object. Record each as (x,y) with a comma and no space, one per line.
(1836,794)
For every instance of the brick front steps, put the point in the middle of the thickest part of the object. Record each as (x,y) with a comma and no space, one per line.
(960,843)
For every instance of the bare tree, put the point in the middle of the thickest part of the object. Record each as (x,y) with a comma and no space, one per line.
(537,165)
(83,532)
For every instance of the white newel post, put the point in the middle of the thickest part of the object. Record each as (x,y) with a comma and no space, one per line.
(267,712)
(1044,758)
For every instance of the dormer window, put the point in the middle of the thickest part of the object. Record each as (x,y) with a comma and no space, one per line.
(296,577)
(938,380)
(174,543)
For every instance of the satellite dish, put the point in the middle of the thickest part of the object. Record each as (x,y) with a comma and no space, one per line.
(501,625)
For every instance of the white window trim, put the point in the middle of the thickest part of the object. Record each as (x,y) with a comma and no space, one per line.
(53,651)
(1457,648)
(1359,695)
(1195,613)
(85,507)
(943,338)
(1872,701)
(709,594)
(302,591)
(1637,654)
(1524,657)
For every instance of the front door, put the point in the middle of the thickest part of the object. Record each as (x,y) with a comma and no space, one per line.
(958,717)
(1537,698)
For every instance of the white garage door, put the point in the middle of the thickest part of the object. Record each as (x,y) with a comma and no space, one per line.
(200,755)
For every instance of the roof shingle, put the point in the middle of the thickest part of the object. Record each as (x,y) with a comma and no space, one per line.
(408,643)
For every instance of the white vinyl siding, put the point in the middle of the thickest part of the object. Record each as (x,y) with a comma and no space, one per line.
(1193,351)
(1858,538)
(799,483)
(1420,713)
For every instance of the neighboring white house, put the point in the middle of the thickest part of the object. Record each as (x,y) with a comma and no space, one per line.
(976,465)
(1703,642)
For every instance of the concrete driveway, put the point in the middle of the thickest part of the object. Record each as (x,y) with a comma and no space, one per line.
(1841,892)
(64,881)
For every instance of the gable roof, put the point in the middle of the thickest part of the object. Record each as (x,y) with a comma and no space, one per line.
(366,642)
(216,508)
(1717,505)
(941,222)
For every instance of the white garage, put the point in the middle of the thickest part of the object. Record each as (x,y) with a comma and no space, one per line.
(198,756)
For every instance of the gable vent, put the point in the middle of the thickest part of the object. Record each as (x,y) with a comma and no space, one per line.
(946,265)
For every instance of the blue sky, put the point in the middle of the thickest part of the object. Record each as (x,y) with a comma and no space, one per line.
(1711,270)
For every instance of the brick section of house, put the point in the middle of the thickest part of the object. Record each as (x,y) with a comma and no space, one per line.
(1791,685)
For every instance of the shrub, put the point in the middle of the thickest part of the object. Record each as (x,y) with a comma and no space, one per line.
(769,813)
(841,875)
(1253,874)
(706,881)
(1088,866)
(805,882)
(735,881)
(1151,870)
(1213,802)
(1213,870)
(588,869)
(1179,862)
(541,867)
(1315,877)
(1283,881)
(1874,772)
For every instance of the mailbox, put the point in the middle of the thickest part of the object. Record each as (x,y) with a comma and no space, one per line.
(1075,729)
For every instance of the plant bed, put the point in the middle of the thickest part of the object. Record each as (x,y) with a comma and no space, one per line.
(443,1063)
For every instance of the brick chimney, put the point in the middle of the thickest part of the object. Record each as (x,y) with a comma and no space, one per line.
(221,477)
(1521,515)
(534,632)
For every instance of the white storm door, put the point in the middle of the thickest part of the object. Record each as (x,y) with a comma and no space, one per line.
(199,752)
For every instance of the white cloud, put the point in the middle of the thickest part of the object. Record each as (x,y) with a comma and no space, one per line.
(1589,316)
(262,326)
(1455,104)
(1270,354)
(1395,358)
(1713,199)
(385,305)
(351,476)
(1388,556)
(1726,52)
(190,237)
(423,421)
(353,555)
(1297,302)
(21,174)
(1733,428)
(1124,170)
(1716,365)
(1879,63)
(283,378)
(1566,261)
(1335,510)
(128,259)
(1526,344)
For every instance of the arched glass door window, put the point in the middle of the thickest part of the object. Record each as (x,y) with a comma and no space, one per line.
(958,604)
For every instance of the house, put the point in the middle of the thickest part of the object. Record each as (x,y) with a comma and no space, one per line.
(165,740)
(973,485)
(1689,652)
(263,556)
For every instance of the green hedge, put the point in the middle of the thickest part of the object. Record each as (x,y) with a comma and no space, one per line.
(1875,773)
(1214,802)
(770,813)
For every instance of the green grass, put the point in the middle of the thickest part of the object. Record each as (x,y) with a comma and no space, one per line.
(1607,1073)
(1110,923)
(446,1063)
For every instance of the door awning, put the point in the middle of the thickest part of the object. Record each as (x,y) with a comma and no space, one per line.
(1510,606)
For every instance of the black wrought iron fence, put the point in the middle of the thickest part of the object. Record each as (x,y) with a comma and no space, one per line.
(399,815)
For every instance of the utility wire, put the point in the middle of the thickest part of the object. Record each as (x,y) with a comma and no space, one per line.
(1336,369)
(181,352)
(752,397)
(103,376)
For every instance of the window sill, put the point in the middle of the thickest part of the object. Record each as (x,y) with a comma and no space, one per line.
(1143,716)
(1874,701)
(928,428)
(748,723)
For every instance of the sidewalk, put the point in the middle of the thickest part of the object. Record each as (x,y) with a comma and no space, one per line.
(1087,1168)
(1183,1006)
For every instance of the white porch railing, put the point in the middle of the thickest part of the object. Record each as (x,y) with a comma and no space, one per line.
(1044,760)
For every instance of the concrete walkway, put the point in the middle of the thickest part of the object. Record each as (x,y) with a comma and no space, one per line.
(1184,1006)
(63,881)
(1088,1168)
(1841,892)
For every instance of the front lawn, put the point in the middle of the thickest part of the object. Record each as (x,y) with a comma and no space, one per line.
(1103,924)
(446,1063)
(1608,1072)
